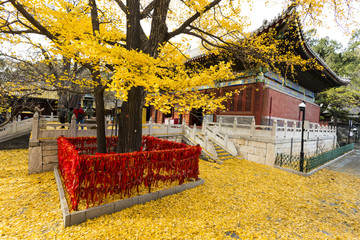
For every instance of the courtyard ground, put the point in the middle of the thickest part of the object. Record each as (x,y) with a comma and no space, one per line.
(239,200)
(350,163)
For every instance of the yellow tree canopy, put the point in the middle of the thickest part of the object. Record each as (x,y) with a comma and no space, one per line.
(95,34)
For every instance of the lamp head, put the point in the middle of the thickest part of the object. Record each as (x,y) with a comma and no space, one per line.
(302,106)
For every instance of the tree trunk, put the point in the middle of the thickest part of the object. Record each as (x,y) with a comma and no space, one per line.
(99,89)
(133,40)
(100,119)
(130,122)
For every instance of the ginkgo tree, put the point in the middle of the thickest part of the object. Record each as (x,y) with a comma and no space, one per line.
(140,45)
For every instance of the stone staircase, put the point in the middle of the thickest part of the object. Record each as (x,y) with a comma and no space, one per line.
(221,152)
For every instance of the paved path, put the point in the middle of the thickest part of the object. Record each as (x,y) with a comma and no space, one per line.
(349,163)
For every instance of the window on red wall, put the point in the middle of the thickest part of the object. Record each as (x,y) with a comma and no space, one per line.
(248,99)
(240,102)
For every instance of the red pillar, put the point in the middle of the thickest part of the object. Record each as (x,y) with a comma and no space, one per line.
(259,92)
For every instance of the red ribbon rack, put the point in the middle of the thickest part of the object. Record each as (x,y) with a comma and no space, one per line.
(91,176)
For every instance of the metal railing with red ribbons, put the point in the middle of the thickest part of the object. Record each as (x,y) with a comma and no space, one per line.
(91,176)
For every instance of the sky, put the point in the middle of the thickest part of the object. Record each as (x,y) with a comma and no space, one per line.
(270,12)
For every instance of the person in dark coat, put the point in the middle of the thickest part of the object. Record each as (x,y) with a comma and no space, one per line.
(63,112)
(79,114)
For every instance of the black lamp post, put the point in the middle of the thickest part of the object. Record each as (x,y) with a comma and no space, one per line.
(302,107)
(354,130)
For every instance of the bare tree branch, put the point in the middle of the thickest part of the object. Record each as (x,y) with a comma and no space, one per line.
(122,6)
(18,32)
(192,19)
(147,10)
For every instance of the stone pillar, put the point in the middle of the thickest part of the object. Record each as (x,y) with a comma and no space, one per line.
(35,128)
(35,158)
(294,130)
(206,139)
(183,126)
(252,128)
(73,127)
(204,124)
(274,129)
(14,126)
(194,132)
(35,151)
(168,128)
(235,124)
(150,125)
(220,123)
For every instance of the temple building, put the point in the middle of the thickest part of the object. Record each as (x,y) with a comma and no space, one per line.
(266,95)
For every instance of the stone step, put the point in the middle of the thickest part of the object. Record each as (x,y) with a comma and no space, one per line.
(221,151)
(223,155)
(225,158)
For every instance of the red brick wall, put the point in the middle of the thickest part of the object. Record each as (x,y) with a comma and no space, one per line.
(285,106)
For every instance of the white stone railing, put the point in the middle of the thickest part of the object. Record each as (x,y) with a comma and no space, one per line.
(235,129)
(44,129)
(194,135)
(222,139)
(269,132)
(155,129)
(17,126)
(50,117)
(313,132)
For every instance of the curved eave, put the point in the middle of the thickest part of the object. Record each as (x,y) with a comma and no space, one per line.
(327,70)
(308,51)
(276,22)
(200,58)
(281,22)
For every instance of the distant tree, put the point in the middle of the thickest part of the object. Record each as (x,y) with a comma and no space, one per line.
(24,79)
(337,102)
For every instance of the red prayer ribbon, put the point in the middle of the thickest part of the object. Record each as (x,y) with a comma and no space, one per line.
(92,176)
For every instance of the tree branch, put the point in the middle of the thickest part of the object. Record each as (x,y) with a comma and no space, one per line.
(147,10)
(122,6)
(191,19)
(32,20)
(20,32)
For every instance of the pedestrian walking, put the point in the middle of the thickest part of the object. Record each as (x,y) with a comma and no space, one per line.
(79,114)
(62,115)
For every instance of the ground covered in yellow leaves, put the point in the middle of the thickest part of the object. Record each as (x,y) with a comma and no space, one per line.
(239,199)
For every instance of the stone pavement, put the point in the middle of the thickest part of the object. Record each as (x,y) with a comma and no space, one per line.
(350,163)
